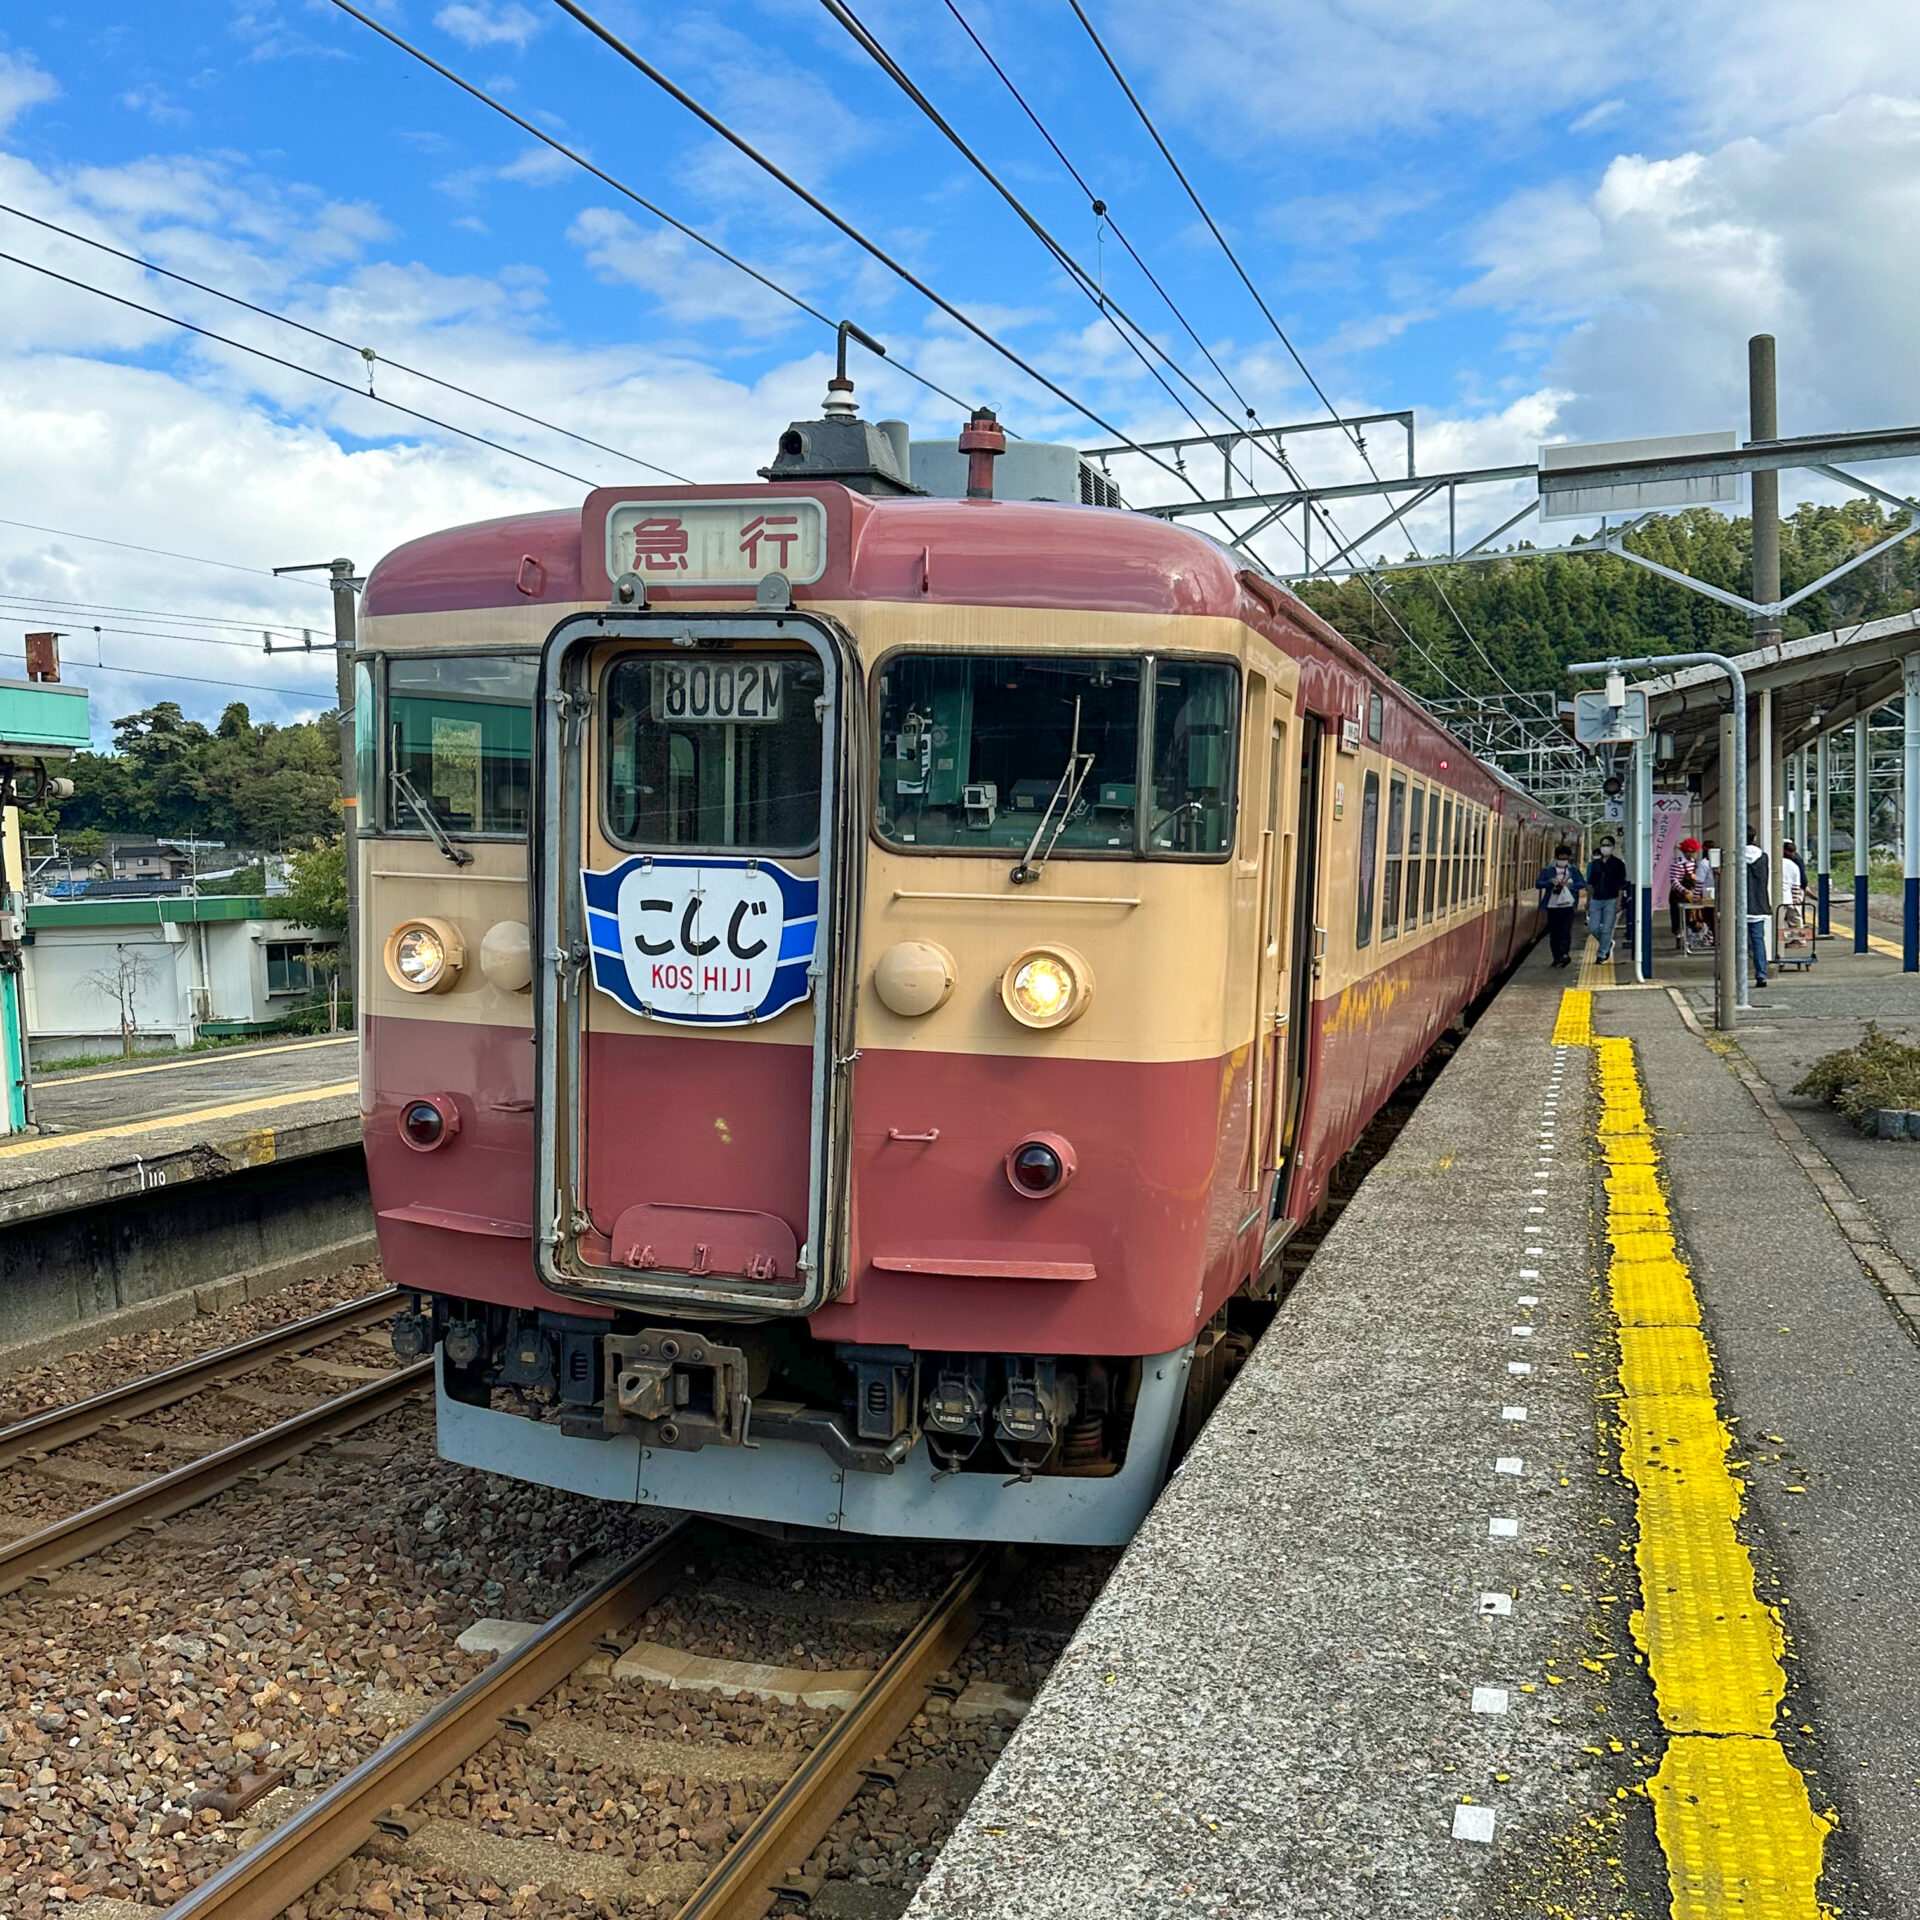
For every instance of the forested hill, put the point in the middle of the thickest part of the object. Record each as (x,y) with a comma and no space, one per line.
(1533,616)
(251,784)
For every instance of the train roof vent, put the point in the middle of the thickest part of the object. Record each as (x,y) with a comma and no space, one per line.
(1028,470)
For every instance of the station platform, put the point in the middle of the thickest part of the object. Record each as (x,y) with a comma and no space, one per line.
(113,1131)
(160,1189)
(1558,1550)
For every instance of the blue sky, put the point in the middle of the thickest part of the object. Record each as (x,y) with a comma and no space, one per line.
(1526,219)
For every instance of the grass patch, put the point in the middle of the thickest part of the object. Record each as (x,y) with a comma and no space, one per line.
(1880,1072)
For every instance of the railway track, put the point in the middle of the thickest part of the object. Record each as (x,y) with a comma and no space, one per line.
(43,1433)
(36,1555)
(763,1865)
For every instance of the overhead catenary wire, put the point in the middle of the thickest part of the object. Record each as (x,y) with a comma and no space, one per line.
(1280,333)
(43,602)
(1121,321)
(333,339)
(742,145)
(195,680)
(166,553)
(1102,210)
(293,366)
(620,187)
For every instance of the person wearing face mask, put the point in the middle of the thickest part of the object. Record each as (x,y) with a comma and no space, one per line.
(1607,891)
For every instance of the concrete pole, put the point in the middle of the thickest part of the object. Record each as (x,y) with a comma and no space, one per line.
(1910,813)
(1642,874)
(1823,855)
(1763,412)
(345,587)
(1862,826)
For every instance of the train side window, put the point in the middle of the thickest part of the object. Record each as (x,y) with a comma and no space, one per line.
(457,735)
(1433,852)
(1457,878)
(1446,857)
(1390,879)
(1369,849)
(1416,818)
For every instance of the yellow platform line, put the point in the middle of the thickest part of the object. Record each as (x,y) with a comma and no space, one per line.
(1843,930)
(1594,972)
(1731,1811)
(131,1129)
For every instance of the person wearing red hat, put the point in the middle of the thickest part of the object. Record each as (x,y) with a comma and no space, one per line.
(1685,880)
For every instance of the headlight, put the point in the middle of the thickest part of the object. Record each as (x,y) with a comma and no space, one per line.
(1047,987)
(424,956)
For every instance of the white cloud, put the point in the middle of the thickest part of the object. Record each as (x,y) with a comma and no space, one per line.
(1597,116)
(1422,65)
(691,286)
(23,84)
(498,25)
(1655,277)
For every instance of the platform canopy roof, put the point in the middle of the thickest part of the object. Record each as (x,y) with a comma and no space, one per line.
(1819,682)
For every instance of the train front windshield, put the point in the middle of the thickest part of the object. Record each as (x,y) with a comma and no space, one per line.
(1137,754)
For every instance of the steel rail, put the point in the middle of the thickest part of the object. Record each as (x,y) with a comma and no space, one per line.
(748,1881)
(58,1545)
(60,1426)
(299,1853)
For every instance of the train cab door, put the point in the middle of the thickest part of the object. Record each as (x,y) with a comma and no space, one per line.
(695,858)
(1305,937)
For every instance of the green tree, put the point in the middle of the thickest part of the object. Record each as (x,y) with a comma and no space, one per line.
(316,894)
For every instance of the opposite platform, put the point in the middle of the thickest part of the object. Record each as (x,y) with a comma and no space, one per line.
(133,1129)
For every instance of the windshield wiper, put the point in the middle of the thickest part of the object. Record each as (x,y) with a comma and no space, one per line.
(430,820)
(1066,794)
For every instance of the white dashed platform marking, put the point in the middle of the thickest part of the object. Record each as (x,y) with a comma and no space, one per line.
(1474,1823)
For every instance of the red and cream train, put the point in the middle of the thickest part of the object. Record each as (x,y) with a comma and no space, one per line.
(858,982)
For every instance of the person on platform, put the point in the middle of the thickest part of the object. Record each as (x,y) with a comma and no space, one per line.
(1559,885)
(1793,884)
(1759,905)
(1681,889)
(1607,895)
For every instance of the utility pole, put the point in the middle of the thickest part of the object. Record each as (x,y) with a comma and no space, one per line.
(346,630)
(346,585)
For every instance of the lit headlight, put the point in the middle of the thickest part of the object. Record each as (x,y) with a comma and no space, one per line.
(424,956)
(1047,987)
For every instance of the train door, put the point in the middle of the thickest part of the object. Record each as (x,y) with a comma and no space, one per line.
(694,860)
(1266,752)
(1306,942)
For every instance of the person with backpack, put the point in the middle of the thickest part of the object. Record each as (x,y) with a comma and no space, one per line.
(1759,905)
(1559,884)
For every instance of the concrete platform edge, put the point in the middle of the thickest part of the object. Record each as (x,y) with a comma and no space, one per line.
(176,1309)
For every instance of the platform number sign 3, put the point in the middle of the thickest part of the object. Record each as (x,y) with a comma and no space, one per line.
(702,941)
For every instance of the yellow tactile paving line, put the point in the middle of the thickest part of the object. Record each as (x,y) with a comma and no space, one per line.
(1740,1836)
(132,1129)
(1843,930)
